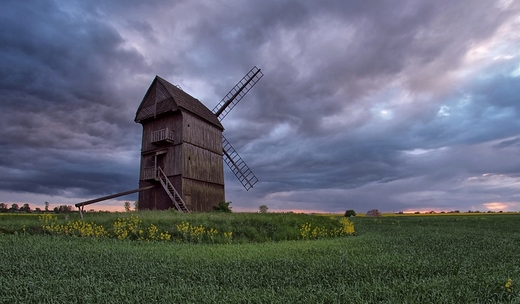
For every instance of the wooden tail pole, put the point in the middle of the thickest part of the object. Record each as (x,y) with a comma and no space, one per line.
(104,198)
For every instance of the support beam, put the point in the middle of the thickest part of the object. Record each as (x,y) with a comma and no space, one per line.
(104,198)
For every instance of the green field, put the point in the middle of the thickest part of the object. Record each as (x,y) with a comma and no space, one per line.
(427,259)
(214,227)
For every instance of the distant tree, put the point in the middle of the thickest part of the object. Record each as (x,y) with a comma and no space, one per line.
(3,207)
(25,208)
(223,207)
(63,209)
(14,207)
(46,206)
(127,206)
(373,213)
(416,212)
(350,213)
(38,210)
(136,205)
(263,209)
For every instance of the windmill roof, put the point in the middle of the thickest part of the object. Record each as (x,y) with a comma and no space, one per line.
(181,100)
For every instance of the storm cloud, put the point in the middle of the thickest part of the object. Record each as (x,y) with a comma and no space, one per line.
(395,105)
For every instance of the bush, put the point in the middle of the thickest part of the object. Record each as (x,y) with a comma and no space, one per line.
(63,209)
(350,213)
(373,213)
(223,207)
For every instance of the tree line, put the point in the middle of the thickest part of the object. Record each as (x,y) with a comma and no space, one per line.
(26,208)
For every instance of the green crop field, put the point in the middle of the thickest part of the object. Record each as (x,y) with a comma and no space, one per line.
(426,259)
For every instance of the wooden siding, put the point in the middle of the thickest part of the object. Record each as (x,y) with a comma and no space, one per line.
(156,101)
(188,103)
(202,196)
(199,196)
(157,198)
(172,162)
(172,121)
(202,165)
(147,161)
(169,158)
(199,133)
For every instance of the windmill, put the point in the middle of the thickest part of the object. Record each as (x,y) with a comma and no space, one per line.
(183,149)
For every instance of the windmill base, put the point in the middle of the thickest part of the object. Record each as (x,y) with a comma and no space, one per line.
(199,196)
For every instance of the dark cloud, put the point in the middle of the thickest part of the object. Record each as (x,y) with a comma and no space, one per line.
(396,105)
(63,120)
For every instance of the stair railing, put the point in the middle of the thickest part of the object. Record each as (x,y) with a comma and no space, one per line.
(179,203)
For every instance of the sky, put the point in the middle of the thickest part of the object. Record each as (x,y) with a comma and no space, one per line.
(389,105)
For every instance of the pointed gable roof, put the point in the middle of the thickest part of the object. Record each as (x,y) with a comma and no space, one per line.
(163,97)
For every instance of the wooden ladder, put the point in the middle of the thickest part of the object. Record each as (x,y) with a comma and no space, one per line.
(177,200)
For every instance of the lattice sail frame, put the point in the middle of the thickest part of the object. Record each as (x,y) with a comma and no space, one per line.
(237,165)
(237,93)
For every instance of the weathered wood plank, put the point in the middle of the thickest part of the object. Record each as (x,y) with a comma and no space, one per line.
(104,198)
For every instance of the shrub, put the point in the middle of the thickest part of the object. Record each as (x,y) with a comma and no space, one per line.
(49,224)
(373,213)
(350,213)
(128,228)
(308,232)
(223,207)
(25,208)
(63,209)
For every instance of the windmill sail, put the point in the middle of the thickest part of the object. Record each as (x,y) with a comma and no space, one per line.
(237,92)
(237,165)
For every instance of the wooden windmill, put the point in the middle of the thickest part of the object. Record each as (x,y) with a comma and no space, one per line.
(183,149)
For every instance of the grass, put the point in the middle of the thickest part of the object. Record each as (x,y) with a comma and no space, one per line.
(246,227)
(455,259)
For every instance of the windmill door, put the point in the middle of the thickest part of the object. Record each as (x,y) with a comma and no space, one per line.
(160,159)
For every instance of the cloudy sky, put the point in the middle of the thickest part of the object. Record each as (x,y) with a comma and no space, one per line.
(395,105)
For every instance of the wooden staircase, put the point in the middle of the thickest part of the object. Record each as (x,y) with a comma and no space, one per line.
(177,200)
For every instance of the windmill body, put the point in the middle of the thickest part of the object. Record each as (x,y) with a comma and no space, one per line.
(183,150)
(182,138)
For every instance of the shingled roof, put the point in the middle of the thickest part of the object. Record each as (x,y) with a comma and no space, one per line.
(163,96)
